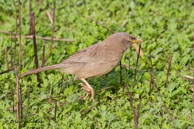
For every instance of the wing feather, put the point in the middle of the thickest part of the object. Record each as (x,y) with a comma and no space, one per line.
(90,54)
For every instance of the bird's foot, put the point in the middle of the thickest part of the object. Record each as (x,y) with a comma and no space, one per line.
(88,90)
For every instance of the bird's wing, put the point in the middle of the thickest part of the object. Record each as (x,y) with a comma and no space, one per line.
(90,54)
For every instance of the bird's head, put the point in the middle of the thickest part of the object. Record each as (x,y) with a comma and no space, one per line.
(128,40)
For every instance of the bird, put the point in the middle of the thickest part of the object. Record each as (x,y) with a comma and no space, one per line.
(95,60)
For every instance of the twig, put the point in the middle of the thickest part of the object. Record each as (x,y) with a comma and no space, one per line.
(124,22)
(137,116)
(14,36)
(30,11)
(135,111)
(43,54)
(33,32)
(188,77)
(6,58)
(120,64)
(51,89)
(15,42)
(50,17)
(169,66)
(20,38)
(110,87)
(21,107)
(14,2)
(11,51)
(53,25)
(130,98)
(135,81)
(18,99)
(7,71)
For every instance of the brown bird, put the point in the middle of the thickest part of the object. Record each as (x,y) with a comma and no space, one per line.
(95,60)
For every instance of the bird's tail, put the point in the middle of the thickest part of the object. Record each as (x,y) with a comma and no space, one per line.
(56,66)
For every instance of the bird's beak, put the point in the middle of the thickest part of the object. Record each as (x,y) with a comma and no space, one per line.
(137,47)
(137,40)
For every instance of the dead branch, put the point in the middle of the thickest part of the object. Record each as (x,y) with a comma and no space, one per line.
(49,16)
(188,77)
(45,38)
(30,11)
(135,111)
(110,87)
(120,64)
(169,66)
(137,65)
(6,58)
(51,90)
(33,32)
(21,108)
(43,54)
(7,71)
(11,53)
(53,25)
(15,30)
(20,38)
(14,36)
(15,44)
(18,100)
(124,22)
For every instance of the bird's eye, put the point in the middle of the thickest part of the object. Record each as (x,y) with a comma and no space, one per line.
(129,39)
(133,38)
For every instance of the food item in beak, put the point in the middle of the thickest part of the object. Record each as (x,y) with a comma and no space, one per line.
(137,49)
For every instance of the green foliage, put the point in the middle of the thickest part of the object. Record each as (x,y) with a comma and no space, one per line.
(165,27)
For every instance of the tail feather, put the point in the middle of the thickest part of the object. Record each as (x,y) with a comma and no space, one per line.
(56,66)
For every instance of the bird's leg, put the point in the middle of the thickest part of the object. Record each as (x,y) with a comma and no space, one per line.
(88,88)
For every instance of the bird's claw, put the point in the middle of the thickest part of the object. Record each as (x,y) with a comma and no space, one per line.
(88,90)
